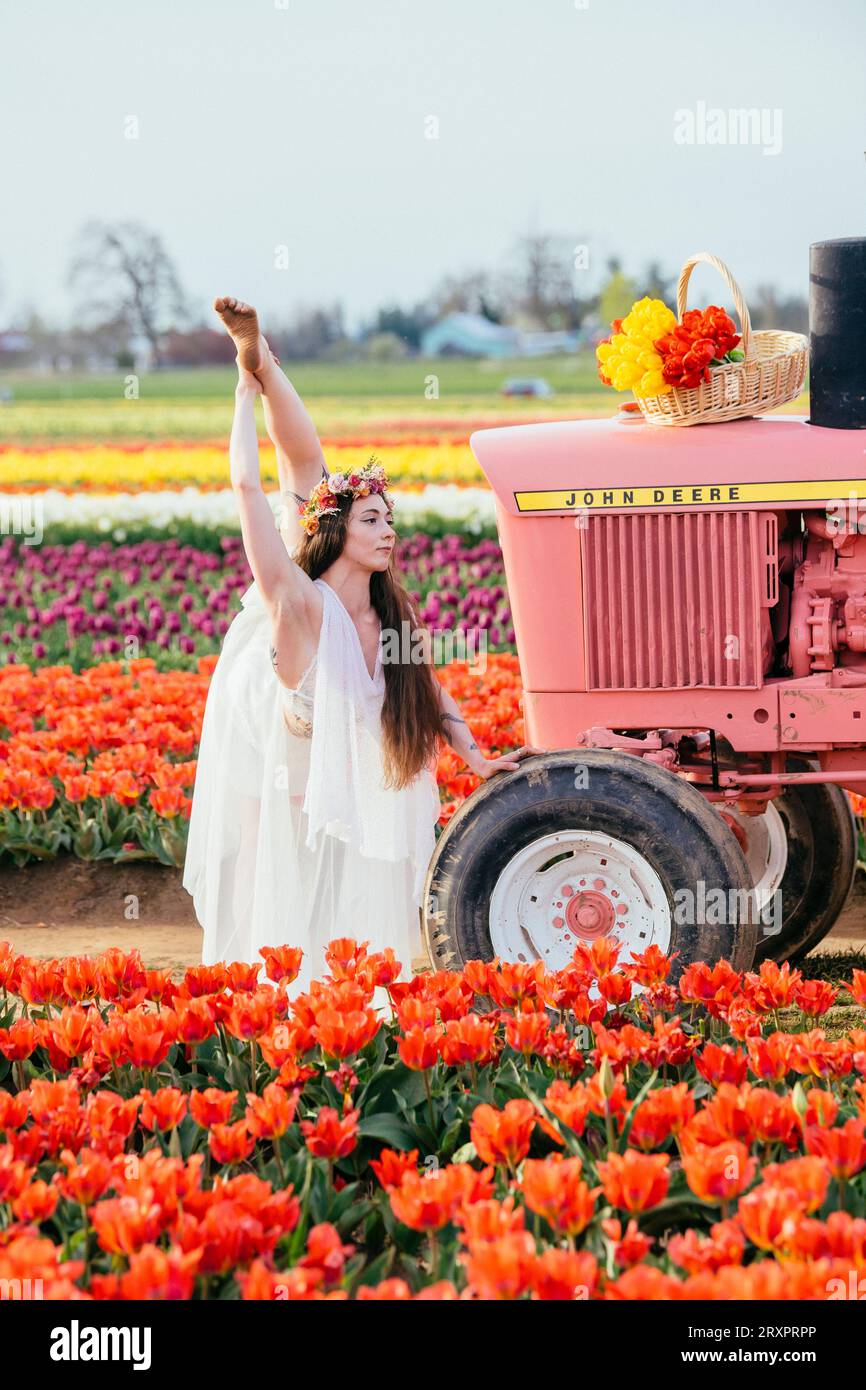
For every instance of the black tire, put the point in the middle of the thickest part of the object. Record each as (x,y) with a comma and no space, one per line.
(822,860)
(663,817)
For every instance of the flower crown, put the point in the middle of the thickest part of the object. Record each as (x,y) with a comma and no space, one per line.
(361,482)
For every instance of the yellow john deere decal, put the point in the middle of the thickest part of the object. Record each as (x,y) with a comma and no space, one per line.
(690,495)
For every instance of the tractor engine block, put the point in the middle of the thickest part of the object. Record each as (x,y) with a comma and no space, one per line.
(828,604)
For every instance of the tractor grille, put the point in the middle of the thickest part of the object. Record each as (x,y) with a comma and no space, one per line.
(674,599)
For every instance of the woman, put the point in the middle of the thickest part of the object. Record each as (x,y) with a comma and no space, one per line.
(315,797)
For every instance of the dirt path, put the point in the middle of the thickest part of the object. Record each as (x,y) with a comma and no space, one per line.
(850,928)
(70,907)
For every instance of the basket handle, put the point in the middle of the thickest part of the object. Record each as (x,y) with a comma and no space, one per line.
(739,301)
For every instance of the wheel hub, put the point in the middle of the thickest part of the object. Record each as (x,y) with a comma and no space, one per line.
(589,914)
(576,886)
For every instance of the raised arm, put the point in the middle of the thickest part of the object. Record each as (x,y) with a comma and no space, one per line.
(300,458)
(280,580)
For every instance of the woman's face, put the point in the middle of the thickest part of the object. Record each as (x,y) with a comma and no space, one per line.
(370,537)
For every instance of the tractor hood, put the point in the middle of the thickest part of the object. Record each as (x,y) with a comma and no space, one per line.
(616,465)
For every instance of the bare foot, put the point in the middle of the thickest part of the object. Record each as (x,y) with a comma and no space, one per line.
(242,324)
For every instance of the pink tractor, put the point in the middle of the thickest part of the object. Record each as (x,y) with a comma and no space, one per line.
(690,614)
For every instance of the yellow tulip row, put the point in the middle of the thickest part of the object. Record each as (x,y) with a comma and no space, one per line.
(106,468)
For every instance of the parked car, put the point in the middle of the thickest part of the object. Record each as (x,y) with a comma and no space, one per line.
(527,386)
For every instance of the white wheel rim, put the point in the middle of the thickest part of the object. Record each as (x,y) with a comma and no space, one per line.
(766,851)
(542,910)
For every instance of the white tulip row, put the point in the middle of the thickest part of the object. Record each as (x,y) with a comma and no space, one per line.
(468,508)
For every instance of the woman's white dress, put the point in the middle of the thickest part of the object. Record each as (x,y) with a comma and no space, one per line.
(293,838)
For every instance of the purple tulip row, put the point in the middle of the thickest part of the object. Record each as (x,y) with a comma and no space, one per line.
(87,602)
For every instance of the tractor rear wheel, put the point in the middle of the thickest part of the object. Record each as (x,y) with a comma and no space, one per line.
(821,860)
(583,844)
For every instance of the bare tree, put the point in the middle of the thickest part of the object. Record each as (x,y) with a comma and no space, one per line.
(407,324)
(473,292)
(657,283)
(122,272)
(770,309)
(541,287)
(546,277)
(309,334)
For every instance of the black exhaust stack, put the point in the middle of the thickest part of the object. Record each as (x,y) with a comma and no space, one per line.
(837,333)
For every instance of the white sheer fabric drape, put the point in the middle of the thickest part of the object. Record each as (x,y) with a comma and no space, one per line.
(296,841)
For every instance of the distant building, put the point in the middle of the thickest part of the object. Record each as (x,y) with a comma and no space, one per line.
(17,349)
(472,335)
(15,344)
(196,347)
(540,344)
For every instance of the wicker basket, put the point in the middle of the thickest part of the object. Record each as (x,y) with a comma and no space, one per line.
(773,370)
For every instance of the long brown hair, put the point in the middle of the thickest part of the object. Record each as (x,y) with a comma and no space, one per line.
(411,714)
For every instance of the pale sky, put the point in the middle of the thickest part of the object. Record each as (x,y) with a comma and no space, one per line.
(301,123)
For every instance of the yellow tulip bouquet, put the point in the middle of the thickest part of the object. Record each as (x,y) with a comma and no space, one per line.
(628,359)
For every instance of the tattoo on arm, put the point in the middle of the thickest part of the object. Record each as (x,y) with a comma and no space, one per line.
(273,651)
(473,746)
